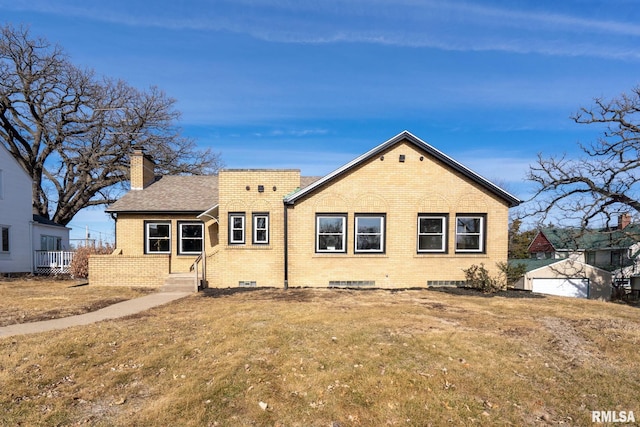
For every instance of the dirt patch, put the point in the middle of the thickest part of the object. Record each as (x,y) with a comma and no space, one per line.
(568,341)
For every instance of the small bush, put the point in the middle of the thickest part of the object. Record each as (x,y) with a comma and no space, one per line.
(478,277)
(80,265)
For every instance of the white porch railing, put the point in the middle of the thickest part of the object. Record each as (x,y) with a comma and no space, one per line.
(53,262)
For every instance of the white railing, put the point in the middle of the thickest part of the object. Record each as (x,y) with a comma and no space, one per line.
(53,262)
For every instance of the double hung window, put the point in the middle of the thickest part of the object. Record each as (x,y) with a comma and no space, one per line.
(260,228)
(470,233)
(236,228)
(432,233)
(158,237)
(191,237)
(369,233)
(331,233)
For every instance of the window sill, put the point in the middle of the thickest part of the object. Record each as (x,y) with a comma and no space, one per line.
(346,255)
(451,255)
(250,247)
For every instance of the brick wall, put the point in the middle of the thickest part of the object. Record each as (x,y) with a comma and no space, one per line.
(400,190)
(131,270)
(239,192)
(130,232)
(142,170)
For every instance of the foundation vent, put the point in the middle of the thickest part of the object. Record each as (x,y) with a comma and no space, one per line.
(458,283)
(351,283)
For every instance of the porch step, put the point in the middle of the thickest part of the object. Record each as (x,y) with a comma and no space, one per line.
(179,282)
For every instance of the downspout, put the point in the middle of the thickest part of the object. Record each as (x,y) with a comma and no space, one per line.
(286,246)
(114,217)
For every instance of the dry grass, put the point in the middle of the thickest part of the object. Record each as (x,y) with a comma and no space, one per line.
(331,358)
(41,298)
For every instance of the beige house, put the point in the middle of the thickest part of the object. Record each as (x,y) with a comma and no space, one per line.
(401,215)
(569,277)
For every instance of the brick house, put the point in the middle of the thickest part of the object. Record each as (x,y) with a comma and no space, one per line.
(401,215)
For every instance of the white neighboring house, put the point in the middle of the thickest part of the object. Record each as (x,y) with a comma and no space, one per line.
(16,252)
(52,254)
(23,235)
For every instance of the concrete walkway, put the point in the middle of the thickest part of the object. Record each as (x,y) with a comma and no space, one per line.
(114,311)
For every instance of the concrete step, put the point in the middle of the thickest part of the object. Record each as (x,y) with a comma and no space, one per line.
(179,282)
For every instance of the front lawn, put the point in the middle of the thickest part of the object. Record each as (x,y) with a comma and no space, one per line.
(305,357)
(34,298)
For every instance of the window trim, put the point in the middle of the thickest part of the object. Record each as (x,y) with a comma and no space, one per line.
(5,229)
(482,240)
(243,228)
(383,230)
(147,238)
(343,217)
(445,233)
(254,239)
(180,237)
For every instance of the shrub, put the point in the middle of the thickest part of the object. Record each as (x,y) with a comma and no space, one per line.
(478,277)
(80,263)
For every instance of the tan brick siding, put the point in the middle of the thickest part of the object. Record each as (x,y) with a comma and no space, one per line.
(130,232)
(401,190)
(142,170)
(132,267)
(383,185)
(123,270)
(249,262)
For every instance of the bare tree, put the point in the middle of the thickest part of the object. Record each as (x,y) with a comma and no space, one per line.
(73,132)
(605,180)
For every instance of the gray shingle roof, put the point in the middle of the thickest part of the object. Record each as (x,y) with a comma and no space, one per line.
(191,193)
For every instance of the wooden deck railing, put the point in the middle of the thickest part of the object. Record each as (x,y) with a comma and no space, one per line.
(53,262)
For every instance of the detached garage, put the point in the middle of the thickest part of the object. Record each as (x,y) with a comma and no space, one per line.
(571,287)
(566,277)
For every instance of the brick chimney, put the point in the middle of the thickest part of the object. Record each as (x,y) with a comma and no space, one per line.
(142,170)
(623,221)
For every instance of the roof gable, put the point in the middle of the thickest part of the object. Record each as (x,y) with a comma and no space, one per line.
(420,144)
(13,163)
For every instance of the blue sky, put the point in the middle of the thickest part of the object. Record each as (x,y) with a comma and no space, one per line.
(313,84)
